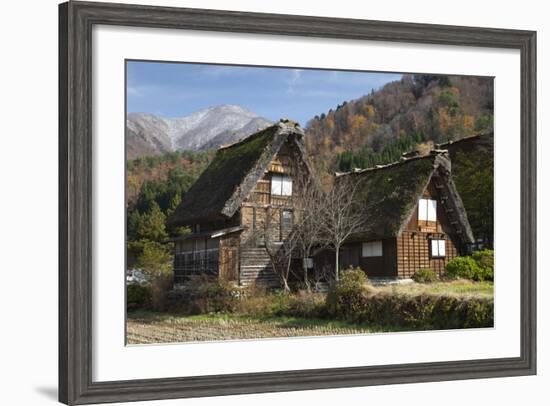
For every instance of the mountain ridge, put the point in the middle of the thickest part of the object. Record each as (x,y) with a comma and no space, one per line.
(150,134)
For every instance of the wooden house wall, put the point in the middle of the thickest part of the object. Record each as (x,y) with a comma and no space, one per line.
(383,266)
(413,253)
(261,203)
(261,212)
(229,257)
(413,244)
(255,268)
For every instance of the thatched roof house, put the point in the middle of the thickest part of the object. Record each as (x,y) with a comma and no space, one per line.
(406,206)
(227,206)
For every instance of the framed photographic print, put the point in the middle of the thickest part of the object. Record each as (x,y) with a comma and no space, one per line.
(259,202)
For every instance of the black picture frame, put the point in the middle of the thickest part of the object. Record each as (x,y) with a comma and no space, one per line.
(76,20)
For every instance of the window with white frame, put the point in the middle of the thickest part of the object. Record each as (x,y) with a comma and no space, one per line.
(427,210)
(372,249)
(281,185)
(437,248)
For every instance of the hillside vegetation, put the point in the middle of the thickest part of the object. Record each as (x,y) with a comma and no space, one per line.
(380,126)
(154,188)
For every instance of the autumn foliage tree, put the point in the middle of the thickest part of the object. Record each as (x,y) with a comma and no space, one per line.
(377,128)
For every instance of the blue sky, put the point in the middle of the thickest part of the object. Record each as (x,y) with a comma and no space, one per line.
(179,89)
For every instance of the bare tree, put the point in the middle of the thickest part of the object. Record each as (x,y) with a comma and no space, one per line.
(341,215)
(280,250)
(308,227)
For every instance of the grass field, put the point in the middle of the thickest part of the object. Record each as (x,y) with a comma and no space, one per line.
(147,328)
(458,288)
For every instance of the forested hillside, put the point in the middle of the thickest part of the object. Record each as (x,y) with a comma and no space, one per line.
(154,187)
(380,126)
(162,174)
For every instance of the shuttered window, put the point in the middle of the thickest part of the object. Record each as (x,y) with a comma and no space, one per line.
(427,210)
(281,185)
(372,249)
(438,248)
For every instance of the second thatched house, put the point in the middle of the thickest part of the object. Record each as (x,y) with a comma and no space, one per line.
(246,185)
(414,218)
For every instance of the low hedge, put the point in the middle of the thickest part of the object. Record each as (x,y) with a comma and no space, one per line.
(364,304)
(424,312)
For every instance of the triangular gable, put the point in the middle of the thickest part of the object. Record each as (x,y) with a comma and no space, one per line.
(442,181)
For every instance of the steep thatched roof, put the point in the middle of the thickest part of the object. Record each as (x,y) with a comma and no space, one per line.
(388,195)
(233,173)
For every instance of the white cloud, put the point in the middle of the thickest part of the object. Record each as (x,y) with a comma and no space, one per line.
(224,71)
(295,79)
(133,91)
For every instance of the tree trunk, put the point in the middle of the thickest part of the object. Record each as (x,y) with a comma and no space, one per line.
(286,288)
(337,265)
(306,280)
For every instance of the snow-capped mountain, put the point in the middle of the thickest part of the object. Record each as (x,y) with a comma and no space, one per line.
(148,134)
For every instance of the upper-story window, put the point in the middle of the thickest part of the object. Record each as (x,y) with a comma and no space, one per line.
(281,185)
(427,210)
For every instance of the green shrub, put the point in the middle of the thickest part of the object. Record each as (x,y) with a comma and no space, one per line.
(478,267)
(137,297)
(345,296)
(425,275)
(463,267)
(485,260)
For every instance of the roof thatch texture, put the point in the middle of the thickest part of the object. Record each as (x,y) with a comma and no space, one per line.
(232,174)
(388,195)
(482,141)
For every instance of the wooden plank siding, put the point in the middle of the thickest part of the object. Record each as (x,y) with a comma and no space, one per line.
(255,268)
(383,266)
(413,244)
(255,208)
(229,257)
(254,262)
(413,253)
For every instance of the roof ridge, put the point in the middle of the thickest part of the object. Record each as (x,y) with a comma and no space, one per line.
(246,139)
(282,124)
(467,138)
(432,155)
